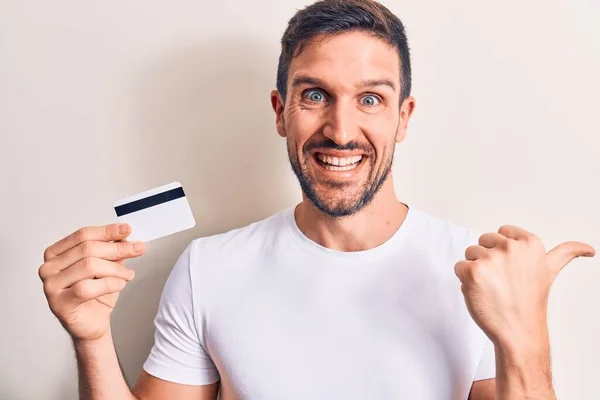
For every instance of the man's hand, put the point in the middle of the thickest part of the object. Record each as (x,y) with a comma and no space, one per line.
(83,275)
(506,282)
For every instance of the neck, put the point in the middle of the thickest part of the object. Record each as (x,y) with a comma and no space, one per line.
(373,225)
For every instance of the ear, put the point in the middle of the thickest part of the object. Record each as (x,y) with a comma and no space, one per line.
(406,110)
(278,107)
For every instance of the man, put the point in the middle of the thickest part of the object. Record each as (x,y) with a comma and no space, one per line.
(351,294)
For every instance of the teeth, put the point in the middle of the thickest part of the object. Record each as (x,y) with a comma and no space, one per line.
(340,162)
(336,168)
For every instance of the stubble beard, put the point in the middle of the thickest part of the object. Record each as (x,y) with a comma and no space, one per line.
(340,203)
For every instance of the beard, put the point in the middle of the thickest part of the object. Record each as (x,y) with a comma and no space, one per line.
(338,202)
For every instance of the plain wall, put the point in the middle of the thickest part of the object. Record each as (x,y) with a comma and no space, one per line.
(101,100)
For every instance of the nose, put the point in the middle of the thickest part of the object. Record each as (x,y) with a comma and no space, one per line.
(340,124)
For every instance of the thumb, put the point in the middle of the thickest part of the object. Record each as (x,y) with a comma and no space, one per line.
(564,253)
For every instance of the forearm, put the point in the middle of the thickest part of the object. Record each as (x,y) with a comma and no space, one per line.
(100,375)
(524,371)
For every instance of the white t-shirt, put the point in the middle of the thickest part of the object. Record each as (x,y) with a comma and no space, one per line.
(275,316)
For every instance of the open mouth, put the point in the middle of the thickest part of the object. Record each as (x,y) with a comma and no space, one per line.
(332,163)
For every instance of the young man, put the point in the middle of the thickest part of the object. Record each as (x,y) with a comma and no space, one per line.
(349,295)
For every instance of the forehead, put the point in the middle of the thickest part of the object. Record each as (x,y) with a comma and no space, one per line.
(346,59)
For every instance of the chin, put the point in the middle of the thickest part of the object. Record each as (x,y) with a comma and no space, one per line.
(336,192)
(337,206)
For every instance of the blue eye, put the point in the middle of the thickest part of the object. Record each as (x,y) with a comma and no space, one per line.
(314,96)
(370,100)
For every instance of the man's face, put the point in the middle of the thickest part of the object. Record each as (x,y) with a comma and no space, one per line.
(342,118)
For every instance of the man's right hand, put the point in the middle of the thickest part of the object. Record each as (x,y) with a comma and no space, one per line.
(83,275)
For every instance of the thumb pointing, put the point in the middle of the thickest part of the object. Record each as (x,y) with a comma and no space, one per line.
(564,253)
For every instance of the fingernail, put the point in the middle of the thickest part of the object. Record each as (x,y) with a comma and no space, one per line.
(131,274)
(138,247)
(123,228)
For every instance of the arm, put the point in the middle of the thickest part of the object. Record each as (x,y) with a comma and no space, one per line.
(524,372)
(100,377)
(99,374)
(520,374)
(83,275)
(149,387)
(483,390)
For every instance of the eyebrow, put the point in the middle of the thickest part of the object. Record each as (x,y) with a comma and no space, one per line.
(369,83)
(376,82)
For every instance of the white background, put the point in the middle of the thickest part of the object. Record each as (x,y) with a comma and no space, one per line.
(101,100)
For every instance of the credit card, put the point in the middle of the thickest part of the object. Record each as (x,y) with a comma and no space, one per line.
(156,213)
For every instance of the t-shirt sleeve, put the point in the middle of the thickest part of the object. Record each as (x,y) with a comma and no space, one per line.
(178,354)
(487,364)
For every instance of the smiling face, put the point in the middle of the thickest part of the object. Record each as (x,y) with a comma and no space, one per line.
(342,117)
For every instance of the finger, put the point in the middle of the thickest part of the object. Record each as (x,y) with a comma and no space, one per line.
(89,289)
(475,252)
(90,268)
(122,260)
(107,250)
(564,253)
(514,232)
(491,240)
(462,269)
(104,233)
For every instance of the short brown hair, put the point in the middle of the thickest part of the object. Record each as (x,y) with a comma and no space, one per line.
(330,17)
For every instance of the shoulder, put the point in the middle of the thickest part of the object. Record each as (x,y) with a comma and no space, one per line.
(229,254)
(442,229)
(441,237)
(217,266)
(239,239)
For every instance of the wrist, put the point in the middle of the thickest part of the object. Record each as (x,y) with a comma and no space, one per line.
(93,344)
(524,356)
(100,375)
(518,341)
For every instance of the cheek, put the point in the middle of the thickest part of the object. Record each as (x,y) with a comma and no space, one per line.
(383,123)
(301,125)
(380,131)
